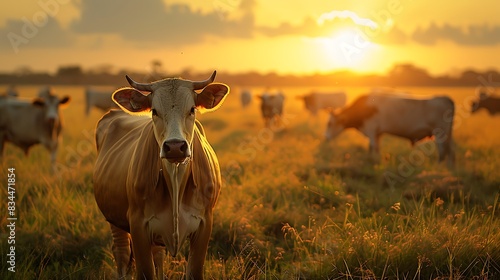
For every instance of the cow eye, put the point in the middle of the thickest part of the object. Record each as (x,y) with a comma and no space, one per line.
(193,110)
(153,111)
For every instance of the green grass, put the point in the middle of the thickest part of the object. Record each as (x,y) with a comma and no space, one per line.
(292,206)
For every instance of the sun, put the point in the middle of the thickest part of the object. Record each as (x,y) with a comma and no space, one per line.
(347,48)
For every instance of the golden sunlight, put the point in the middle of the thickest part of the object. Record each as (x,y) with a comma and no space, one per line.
(347,48)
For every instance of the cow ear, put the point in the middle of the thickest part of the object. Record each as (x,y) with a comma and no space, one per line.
(39,102)
(131,100)
(64,101)
(211,97)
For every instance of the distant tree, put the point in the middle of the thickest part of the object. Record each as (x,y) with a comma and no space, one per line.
(23,71)
(72,70)
(102,69)
(408,74)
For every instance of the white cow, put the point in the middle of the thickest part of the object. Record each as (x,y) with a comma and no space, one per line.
(28,122)
(246,98)
(406,117)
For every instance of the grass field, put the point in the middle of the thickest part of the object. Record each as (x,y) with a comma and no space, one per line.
(292,206)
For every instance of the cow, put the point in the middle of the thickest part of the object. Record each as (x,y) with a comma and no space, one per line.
(156,177)
(28,122)
(315,101)
(403,116)
(99,99)
(488,102)
(272,108)
(246,98)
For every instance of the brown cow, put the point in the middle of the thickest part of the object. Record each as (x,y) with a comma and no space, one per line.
(488,102)
(271,108)
(157,179)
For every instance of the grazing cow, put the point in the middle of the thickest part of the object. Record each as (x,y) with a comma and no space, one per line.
(246,98)
(315,101)
(488,102)
(156,178)
(272,108)
(26,123)
(99,99)
(410,118)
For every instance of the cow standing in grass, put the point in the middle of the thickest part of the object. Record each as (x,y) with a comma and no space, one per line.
(156,178)
(246,98)
(29,122)
(271,108)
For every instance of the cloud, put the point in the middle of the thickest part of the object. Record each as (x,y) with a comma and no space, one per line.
(38,32)
(472,35)
(329,23)
(311,28)
(153,21)
(347,14)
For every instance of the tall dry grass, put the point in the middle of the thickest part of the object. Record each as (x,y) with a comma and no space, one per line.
(292,206)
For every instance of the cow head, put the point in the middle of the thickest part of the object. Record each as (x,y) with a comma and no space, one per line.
(173,104)
(50,105)
(335,125)
(309,101)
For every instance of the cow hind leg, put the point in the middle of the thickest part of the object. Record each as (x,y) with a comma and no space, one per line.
(122,252)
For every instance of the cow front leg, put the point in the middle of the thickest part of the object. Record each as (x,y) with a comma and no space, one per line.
(158,256)
(52,148)
(198,248)
(141,245)
(122,252)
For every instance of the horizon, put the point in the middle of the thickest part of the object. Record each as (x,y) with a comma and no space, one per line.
(241,36)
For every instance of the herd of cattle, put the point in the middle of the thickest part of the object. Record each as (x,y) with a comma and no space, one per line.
(156,177)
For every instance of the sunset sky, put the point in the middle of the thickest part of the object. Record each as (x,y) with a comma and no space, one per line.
(251,35)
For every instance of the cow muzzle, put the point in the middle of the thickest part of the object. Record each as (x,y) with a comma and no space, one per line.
(175,151)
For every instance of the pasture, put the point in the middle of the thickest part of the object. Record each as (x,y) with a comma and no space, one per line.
(292,205)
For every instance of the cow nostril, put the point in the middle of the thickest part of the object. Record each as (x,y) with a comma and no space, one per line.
(166,147)
(184,147)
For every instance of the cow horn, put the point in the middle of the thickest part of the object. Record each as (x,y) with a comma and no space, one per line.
(202,84)
(139,86)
